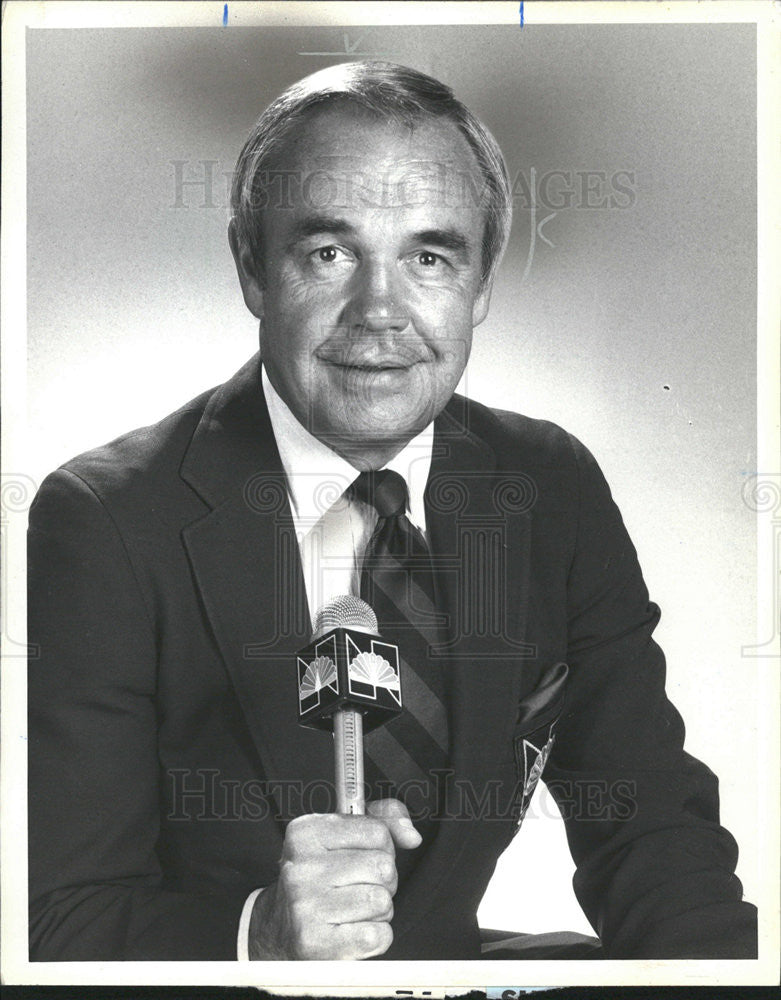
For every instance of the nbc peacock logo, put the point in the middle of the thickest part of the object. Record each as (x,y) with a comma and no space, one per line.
(315,676)
(367,672)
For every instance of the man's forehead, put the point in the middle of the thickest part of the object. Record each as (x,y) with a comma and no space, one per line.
(394,181)
(333,123)
(349,157)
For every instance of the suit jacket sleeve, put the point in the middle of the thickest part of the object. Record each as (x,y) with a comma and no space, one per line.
(96,887)
(655,870)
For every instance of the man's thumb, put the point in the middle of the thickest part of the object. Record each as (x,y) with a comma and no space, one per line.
(396,817)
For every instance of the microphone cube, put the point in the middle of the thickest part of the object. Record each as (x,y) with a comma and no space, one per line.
(348,669)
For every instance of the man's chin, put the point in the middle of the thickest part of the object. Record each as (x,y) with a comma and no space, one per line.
(374,436)
(377,436)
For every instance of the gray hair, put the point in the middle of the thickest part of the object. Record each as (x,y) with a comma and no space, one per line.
(388,91)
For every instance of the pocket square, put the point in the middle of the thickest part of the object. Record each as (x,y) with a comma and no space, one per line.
(545,700)
(534,736)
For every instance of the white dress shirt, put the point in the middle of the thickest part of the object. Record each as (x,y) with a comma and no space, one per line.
(332,531)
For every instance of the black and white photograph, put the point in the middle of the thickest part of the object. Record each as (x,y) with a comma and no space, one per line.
(391,496)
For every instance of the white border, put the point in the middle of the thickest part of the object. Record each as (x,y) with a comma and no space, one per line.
(769,451)
(355,978)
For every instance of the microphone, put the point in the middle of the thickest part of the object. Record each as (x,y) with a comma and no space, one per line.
(349,681)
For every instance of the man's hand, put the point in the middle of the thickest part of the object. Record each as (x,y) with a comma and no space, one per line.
(334,895)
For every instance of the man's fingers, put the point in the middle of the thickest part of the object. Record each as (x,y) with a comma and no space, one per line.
(395,816)
(351,867)
(361,940)
(312,833)
(353,904)
(343,868)
(387,823)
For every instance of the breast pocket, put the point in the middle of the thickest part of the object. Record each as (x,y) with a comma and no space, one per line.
(534,734)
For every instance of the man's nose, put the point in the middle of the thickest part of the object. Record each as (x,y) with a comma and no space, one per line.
(377,299)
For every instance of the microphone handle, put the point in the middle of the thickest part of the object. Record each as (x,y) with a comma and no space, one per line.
(348,750)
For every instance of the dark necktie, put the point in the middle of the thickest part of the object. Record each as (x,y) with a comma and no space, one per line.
(397,581)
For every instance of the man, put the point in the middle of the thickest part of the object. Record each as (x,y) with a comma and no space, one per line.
(176,809)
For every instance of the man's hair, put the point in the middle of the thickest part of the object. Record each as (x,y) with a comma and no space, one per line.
(390,92)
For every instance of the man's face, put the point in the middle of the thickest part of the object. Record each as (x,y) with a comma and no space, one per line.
(370,281)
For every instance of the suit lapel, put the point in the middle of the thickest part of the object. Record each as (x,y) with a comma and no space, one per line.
(484,544)
(479,531)
(246,564)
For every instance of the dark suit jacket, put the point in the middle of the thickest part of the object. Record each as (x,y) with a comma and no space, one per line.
(166,599)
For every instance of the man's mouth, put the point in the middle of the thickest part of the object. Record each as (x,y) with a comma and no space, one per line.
(375,365)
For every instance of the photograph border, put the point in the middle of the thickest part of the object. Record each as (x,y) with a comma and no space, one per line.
(358,978)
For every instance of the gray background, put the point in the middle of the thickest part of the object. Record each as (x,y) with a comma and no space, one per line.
(635,330)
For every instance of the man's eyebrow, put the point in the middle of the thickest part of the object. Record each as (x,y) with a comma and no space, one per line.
(313,225)
(447,239)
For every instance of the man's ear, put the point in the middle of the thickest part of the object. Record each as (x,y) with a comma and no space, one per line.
(481,303)
(251,285)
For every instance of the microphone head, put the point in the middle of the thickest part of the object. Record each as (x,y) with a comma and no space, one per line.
(345,611)
(347,665)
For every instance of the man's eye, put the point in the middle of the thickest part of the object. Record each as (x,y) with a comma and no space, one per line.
(330,254)
(329,261)
(429,266)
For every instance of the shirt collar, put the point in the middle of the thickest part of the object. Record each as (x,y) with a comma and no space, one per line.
(317,476)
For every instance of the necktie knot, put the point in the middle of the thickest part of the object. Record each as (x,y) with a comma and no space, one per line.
(385,490)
